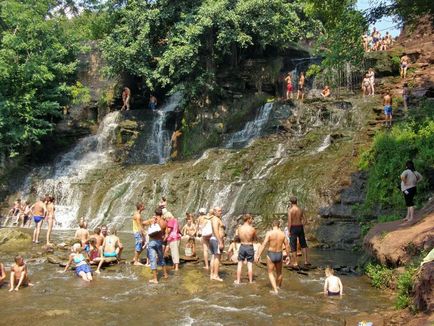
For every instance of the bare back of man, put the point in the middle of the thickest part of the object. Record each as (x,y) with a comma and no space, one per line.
(82,235)
(247,234)
(296,231)
(38,211)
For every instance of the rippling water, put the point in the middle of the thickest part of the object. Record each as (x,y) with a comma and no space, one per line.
(121,296)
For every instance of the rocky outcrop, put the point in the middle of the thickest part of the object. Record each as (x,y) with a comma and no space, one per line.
(11,239)
(395,243)
(423,288)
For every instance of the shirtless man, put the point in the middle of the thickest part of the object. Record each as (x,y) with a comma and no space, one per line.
(247,235)
(126,94)
(216,244)
(203,225)
(27,212)
(300,92)
(99,239)
(275,239)
(189,230)
(104,231)
(38,211)
(82,234)
(139,233)
(405,63)
(288,86)
(296,230)
(111,247)
(387,102)
(152,102)
(156,232)
(50,218)
(325,92)
(19,275)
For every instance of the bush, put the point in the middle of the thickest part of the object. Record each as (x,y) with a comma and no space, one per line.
(404,286)
(381,276)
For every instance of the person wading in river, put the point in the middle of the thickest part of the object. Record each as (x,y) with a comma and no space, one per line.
(51,219)
(156,232)
(216,244)
(139,234)
(38,211)
(296,231)
(275,239)
(247,234)
(204,230)
(111,248)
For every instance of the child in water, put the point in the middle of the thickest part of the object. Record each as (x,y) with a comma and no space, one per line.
(19,274)
(333,284)
(2,274)
(82,269)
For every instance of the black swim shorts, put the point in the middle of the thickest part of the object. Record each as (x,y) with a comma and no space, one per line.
(246,252)
(409,196)
(297,231)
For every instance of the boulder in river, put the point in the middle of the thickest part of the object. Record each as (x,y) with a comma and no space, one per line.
(11,239)
(424,288)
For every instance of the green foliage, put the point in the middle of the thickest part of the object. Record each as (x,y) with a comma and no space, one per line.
(80,94)
(412,139)
(313,70)
(381,276)
(405,286)
(388,218)
(37,63)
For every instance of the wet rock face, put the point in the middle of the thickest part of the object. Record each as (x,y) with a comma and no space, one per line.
(14,239)
(338,234)
(423,288)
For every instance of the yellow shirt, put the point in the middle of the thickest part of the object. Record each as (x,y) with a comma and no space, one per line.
(136,227)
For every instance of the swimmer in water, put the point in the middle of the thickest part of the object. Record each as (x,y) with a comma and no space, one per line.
(332,285)
(247,234)
(19,275)
(275,239)
(82,268)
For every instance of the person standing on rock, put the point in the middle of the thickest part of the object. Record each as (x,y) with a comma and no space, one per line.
(247,234)
(288,80)
(275,239)
(51,219)
(82,234)
(366,85)
(38,211)
(301,81)
(296,231)
(126,95)
(204,230)
(173,238)
(405,63)
(152,105)
(156,232)
(387,102)
(371,75)
(409,179)
(139,234)
(216,244)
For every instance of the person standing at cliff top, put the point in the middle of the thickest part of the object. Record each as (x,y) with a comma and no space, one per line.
(126,95)
(216,244)
(152,105)
(288,80)
(387,102)
(409,179)
(139,234)
(51,219)
(300,91)
(296,231)
(247,234)
(275,239)
(38,211)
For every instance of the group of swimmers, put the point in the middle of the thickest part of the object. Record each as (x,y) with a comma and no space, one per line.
(374,41)
(290,87)
(162,234)
(126,99)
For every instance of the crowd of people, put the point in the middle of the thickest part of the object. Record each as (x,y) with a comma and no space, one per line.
(161,235)
(376,42)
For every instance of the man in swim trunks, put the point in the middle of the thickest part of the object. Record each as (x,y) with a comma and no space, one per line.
(156,233)
(405,63)
(275,239)
(139,234)
(387,102)
(111,247)
(288,86)
(38,211)
(19,275)
(82,234)
(296,231)
(216,244)
(300,92)
(247,234)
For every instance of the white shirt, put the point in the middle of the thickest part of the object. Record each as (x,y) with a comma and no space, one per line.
(410,179)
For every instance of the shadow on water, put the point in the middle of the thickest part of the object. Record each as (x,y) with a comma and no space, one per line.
(121,295)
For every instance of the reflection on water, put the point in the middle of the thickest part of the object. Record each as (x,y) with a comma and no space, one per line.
(121,296)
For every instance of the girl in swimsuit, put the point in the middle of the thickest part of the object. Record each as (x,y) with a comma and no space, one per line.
(82,269)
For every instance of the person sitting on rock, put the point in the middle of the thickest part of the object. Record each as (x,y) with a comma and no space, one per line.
(82,268)
(14,211)
(111,248)
(2,274)
(189,232)
(94,254)
(234,247)
(98,237)
(325,92)
(332,285)
(19,275)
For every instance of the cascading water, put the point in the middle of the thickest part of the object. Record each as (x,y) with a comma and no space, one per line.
(252,129)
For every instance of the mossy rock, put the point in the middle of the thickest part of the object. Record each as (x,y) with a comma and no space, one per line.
(128,124)
(191,281)
(11,239)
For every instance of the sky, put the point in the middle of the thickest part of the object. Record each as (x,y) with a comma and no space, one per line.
(384,25)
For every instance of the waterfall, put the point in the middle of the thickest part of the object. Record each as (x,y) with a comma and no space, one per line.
(324,145)
(252,129)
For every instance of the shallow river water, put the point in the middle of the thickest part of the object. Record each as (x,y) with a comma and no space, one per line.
(120,295)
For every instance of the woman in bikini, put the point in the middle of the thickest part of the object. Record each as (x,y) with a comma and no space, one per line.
(82,268)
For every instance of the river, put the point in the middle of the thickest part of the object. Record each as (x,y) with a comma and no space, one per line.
(120,295)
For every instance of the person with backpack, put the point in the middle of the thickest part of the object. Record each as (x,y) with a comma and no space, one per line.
(205,232)
(409,179)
